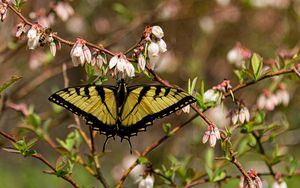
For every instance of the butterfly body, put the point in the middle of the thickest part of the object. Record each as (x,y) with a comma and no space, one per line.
(121,110)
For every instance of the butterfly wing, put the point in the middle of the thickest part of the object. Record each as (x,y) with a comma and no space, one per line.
(96,104)
(146,103)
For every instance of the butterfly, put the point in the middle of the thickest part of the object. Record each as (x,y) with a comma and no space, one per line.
(121,110)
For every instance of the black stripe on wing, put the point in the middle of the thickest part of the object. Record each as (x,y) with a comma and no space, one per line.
(132,130)
(89,118)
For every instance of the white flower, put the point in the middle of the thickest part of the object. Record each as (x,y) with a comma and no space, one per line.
(212,95)
(283,97)
(98,60)
(21,28)
(153,49)
(3,10)
(113,62)
(77,54)
(87,54)
(120,64)
(33,37)
(212,134)
(279,184)
(240,115)
(162,46)
(146,182)
(157,32)
(141,62)
(130,69)
(52,46)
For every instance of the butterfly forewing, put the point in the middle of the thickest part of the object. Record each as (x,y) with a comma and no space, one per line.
(96,104)
(144,104)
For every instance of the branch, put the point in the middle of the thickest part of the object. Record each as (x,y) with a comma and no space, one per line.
(42,159)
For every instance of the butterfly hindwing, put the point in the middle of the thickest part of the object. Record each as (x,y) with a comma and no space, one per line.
(97,104)
(146,103)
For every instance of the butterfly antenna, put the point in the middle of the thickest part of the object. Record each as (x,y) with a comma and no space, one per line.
(103,149)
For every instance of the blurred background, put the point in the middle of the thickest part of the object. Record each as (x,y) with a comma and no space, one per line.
(199,35)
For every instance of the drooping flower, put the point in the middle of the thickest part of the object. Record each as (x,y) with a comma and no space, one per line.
(240,115)
(80,53)
(212,134)
(3,10)
(153,49)
(267,101)
(141,62)
(33,36)
(212,95)
(21,29)
(120,65)
(162,46)
(157,32)
(146,182)
(282,95)
(237,55)
(77,54)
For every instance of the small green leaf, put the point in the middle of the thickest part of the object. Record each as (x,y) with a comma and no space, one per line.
(34,120)
(256,63)
(24,148)
(219,175)
(167,129)
(9,83)
(64,166)
(143,160)
(72,141)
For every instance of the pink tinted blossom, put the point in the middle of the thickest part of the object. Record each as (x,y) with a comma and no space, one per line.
(212,134)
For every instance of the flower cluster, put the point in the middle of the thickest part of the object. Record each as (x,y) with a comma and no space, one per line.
(121,66)
(37,36)
(80,53)
(269,100)
(240,115)
(3,10)
(157,45)
(212,134)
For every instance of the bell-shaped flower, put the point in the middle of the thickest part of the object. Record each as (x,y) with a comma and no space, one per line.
(162,46)
(3,10)
(141,62)
(157,32)
(33,36)
(212,134)
(153,49)
(87,54)
(146,182)
(77,54)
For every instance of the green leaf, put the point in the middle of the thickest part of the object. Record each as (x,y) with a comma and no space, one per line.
(143,160)
(219,175)
(123,11)
(9,83)
(64,166)
(24,148)
(256,63)
(72,141)
(34,120)
(167,128)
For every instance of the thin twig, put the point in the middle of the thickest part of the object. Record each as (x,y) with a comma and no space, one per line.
(96,160)
(42,159)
